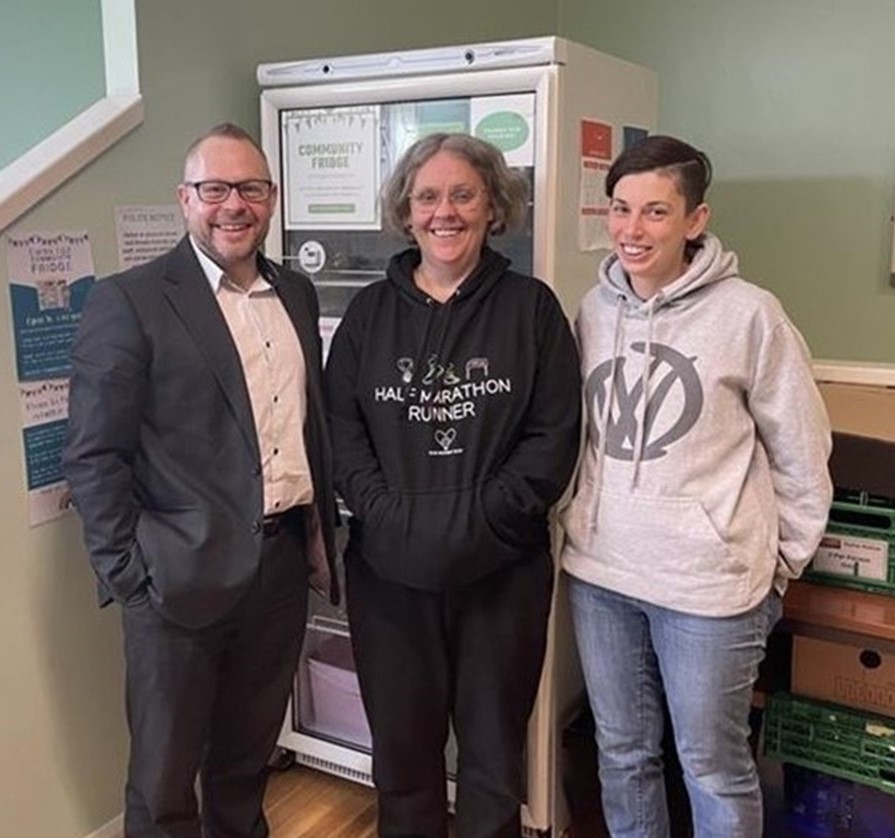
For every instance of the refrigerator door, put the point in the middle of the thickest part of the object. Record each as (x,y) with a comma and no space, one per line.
(336,145)
(334,128)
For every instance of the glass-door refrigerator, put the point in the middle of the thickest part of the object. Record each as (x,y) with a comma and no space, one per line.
(560,112)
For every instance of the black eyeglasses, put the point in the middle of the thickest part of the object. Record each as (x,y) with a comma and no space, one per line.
(217,191)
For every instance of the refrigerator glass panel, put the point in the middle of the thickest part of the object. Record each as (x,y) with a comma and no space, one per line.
(326,701)
(335,161)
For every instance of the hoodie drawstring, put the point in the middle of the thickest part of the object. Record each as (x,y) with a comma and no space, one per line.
(640,434)
(606,413)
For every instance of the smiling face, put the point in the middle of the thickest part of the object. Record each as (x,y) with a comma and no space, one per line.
(231,232)
(649,225)
(449,215)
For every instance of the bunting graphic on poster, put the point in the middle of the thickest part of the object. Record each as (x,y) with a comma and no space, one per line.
(50,275)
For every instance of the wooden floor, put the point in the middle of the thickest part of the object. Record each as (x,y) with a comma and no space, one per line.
(303,803)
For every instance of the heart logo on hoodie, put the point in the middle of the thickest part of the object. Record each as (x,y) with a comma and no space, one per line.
(446,438)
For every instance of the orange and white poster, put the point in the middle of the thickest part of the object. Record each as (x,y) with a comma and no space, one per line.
(593,205)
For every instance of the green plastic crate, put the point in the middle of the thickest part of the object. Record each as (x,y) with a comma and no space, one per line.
(832,739)
(858,550)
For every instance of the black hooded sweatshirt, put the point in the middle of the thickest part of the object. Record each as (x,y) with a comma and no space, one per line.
(455,425)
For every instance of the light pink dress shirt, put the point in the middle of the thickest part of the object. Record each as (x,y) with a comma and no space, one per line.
(274,367)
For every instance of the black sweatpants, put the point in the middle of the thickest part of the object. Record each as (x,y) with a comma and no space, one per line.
(212,701)
(472,656)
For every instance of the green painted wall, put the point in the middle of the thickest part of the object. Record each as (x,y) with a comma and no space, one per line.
(62,735)
(51,68)
(793,102)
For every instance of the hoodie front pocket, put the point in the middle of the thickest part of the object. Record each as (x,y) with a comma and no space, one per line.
(508,522)
(659,536)
(432,540)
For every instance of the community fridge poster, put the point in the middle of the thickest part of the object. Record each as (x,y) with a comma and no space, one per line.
(50,275)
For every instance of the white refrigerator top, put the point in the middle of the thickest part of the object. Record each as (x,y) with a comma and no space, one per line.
(522,53)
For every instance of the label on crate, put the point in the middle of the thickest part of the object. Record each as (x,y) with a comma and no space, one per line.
(851,555)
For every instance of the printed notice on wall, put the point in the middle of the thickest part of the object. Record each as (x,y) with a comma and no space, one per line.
(145,232)
(50,275)
(593,205)
(331,168)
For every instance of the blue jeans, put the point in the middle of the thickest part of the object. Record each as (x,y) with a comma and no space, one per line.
(634,656)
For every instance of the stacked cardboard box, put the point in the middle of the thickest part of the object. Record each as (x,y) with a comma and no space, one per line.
(838,757)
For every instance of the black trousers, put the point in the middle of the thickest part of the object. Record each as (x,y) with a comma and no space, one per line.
(211,701)
(473,657)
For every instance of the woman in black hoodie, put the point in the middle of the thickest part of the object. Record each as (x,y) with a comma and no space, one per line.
(453,391)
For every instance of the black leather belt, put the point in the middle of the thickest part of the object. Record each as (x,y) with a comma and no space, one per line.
(272,524)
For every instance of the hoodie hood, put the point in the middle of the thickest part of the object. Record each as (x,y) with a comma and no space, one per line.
(710,264)
(480,281)
(441,316)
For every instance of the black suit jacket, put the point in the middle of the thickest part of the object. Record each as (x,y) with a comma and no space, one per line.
(162,455)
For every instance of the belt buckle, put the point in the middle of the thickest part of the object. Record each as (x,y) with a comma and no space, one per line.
(271,524)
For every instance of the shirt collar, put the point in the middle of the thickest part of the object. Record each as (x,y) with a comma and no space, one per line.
(214,273)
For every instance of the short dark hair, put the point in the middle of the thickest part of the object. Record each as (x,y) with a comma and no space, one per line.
(507,189)
(690,167)
(229,130)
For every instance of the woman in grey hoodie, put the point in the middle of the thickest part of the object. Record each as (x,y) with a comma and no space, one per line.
(703,489)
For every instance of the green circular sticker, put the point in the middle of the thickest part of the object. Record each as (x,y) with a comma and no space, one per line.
(505,129)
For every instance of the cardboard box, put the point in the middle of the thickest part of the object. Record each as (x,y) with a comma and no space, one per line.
(863,422)
(855,676)
(860,409)
(863,464)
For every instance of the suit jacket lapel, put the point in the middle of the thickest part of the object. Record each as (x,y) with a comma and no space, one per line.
(190,295)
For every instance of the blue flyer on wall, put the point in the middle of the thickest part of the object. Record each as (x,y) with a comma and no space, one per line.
(50,275)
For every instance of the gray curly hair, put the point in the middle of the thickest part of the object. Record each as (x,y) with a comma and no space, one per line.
(507,189)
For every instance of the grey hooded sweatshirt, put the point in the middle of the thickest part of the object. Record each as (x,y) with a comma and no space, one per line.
(704,479)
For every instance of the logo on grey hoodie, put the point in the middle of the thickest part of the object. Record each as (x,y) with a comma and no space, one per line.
(669,373)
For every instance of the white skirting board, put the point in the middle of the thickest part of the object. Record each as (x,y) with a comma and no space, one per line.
(113,829)
(855,372)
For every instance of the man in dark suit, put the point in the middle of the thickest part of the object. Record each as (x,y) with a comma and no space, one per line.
(200,464)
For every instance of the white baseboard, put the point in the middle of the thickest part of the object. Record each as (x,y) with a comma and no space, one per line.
(113,829)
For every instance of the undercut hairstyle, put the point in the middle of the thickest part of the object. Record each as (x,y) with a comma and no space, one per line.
(227,130)
(690,167)
(507,189)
